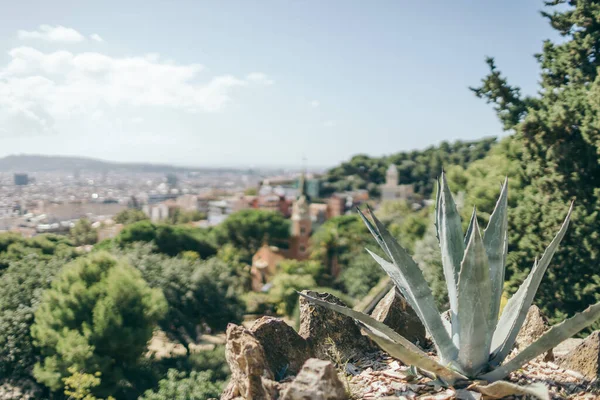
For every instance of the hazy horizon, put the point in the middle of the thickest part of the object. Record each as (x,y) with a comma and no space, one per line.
(264,84)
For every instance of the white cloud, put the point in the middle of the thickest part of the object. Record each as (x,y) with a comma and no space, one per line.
(329,124)
(315,103)
(260,78)
(97,38)
(38,88)
(56,33)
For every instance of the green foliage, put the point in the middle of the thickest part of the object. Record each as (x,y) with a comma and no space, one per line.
(406,224)
(180,216)
(83,233)
(419,168)
(179,385)
(247,230)
(307,267)
(169,240)
(129,216)
(343,240)
(201,294)
(14,247)
(251,191)
(360,275)
(97,316)
(79,385)
(284,293)
(474,344)
(559,136)
(428,256)
(21,287)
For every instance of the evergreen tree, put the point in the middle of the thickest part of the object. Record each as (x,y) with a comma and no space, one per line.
(97,317)
(560,138)
(83,233)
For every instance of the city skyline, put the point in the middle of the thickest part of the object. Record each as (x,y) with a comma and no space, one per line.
(262,84)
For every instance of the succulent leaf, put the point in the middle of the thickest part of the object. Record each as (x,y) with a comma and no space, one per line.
(366,320)
(554,336)
(397,278)
(518,305)
(474,304)
(419,291)
(452,247)
(502,389)
(495,240)
(407,356)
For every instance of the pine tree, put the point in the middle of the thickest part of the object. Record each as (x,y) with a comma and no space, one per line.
(560,138)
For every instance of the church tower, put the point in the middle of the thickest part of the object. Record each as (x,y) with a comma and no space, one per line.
(391,176)
(301,224)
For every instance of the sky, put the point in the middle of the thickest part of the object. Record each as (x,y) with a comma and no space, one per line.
(255,83)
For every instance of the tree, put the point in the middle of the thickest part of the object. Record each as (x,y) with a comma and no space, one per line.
(170,240)
(429,257)
(180,216)
(419,168)
(342,240)
(21,287)
(83,233)
(201,295)
(180,385)
(248,230)
(97,317)
(129,216)
(559,132)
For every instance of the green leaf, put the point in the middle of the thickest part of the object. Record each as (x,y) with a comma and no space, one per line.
(517,307)
(452,247)
(408,275)
(557,334)
(474,302)
(495,240)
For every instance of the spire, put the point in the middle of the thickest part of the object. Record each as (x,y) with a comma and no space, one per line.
(302,183)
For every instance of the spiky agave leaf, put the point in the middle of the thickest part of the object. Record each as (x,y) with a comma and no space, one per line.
(392,342)
(452,247)
(495,240)
(557,334)
(502,389)
(414,283)
(474,304)
(518,305)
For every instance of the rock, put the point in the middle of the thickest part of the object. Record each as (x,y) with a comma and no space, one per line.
(286,351)
(322,327)
(585,358)
(317,380)
(535,325)
(394,311)
(251,377)
(566,347)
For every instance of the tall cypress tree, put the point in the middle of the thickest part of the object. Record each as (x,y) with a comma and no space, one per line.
(558,130)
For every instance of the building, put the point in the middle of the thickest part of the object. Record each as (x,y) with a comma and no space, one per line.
(21,179)
(301,226)
(265,264)
(392,190)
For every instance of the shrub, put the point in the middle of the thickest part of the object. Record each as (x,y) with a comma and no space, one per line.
(97,316)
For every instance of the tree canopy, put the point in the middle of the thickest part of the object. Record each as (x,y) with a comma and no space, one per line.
(97,316)
(558,132)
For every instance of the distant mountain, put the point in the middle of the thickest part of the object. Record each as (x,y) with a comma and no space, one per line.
(37,163)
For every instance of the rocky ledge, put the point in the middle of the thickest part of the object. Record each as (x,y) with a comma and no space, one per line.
(329,358)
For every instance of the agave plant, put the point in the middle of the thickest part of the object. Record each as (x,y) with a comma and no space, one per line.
(475,343)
